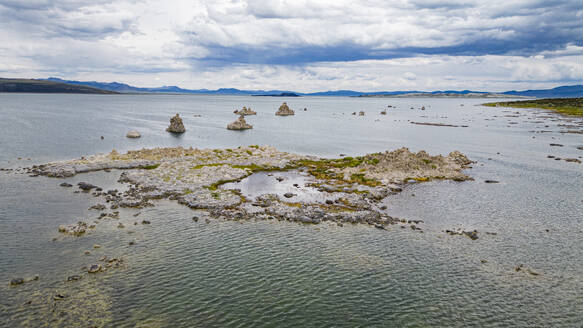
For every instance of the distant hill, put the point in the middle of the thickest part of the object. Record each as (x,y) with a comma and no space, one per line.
(283,94)
(125,88)
(42,86)
(115,87)
(559,92)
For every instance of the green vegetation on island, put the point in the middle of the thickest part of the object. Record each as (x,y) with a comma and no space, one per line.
(566,106)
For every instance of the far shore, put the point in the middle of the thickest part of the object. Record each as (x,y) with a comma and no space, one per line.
(565,106)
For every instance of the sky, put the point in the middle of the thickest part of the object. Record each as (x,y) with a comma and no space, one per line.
(304,46)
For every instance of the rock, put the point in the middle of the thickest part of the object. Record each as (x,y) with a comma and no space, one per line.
(245,111)
(120,225)
(58,297)
(195,218)
(284,110)
(422,107)
(94,268)
(380,226)
(17,281)
(145,222)
(573,160)
(491,181)
(176,125)
(133,134)
(64,184)
(556,145)
(288,195)
(361,113)
(329,202)
(76,229)
(580,148)
(484,261)
(96,246)
(239,124)
(86,186)
(384,112)
(87,252)
(99,207)
(279,179)
(132,242)
(472,234)
(74,278)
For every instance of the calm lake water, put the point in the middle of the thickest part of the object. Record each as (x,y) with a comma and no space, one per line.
(183,273)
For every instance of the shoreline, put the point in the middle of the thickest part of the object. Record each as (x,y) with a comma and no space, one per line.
(565,106)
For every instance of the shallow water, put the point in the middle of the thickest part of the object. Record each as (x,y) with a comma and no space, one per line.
(279,274)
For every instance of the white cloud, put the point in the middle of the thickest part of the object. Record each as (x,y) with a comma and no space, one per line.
(301,45)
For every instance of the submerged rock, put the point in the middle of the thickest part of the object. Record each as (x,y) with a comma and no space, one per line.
(76,229)
(239,124)
(245,111)
(133,134)
(94,268)
(17,281)
(176,125)
(86,186)
(284,110)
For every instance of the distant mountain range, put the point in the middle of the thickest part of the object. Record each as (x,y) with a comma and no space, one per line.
(42,86)
(68,86)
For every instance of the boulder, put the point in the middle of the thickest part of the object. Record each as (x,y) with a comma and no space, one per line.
(245,111)
(361,113)
(284,110)
(94,268)
(176,125)
(133,134)
(239,124)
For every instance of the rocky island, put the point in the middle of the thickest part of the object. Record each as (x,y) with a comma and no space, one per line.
(245,111)
(239,124)
(352,187)
(284,110)
(176,125)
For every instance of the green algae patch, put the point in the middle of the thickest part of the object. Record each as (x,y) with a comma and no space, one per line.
(565,106)
(361,179)
(151,167)
(331,170)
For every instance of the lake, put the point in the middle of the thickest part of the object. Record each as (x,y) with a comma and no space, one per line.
(183,273)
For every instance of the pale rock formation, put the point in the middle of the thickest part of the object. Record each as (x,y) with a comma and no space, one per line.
(176,125)
(133,134)
(284,110)
(245,111)
(239,124)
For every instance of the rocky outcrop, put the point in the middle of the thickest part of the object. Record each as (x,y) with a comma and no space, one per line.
(74,229)
(176,125)
(245,111)
(284,110)
(239,124)
(133,134)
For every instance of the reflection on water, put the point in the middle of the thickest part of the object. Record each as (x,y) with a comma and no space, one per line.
(183,273)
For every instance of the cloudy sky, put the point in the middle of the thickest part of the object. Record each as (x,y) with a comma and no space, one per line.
(367,45)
